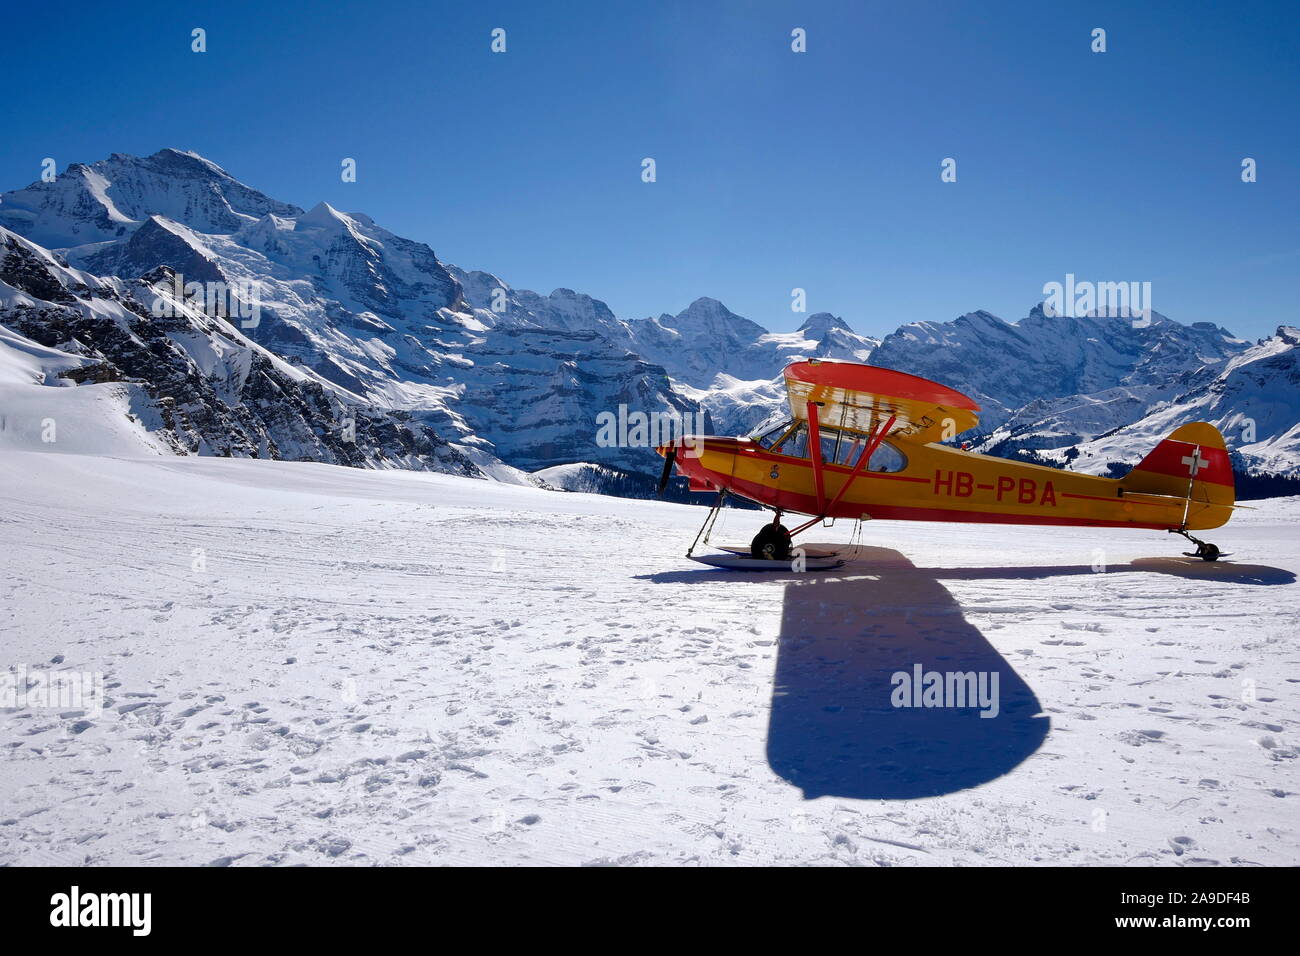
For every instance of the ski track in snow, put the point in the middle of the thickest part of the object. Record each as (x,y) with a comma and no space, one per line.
(399,668)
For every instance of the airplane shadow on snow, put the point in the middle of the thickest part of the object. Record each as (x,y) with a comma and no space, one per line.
(833,729)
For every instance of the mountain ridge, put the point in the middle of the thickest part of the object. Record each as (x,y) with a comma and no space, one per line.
(515,379)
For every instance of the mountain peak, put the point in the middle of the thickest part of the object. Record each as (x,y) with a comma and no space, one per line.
(707,316)
(322,214)
(1039,314)
(819,323)
(186,157)
(981,316)
(169,160)
(111,197)
(706,307)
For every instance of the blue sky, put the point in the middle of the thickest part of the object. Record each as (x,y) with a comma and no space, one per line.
(775,170)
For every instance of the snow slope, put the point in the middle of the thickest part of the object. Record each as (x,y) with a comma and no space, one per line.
(36,413)
(314,664)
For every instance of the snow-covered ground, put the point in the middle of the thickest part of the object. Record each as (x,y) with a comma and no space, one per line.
(311,664)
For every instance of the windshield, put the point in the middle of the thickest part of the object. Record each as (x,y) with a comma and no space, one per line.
(779,419)
(771,430)
(838,448)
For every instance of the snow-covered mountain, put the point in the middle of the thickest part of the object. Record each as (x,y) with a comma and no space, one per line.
(375,314)
(1252,396)
(702,345)
(1005,366)
(732,366)
(515,380)
(706,343)
(76,208)
(720,362)
(171,380)
(1254,399)
(507,375)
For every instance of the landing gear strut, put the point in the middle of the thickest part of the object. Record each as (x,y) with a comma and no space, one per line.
(1204,550)
(710,519)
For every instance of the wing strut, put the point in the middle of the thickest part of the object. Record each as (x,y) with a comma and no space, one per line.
(815,453)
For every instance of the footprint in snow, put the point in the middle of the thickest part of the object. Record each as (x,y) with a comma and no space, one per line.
(1137,738)
(1181,844)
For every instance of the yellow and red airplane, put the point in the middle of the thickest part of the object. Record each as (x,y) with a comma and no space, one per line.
(865,442)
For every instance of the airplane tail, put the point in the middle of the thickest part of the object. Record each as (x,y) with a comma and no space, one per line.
(1192,464)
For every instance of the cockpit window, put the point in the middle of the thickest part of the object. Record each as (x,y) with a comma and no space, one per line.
(887,458)
(769,436)
(841,448)
(771,431)
(838,448)
(795,442)
(845,448)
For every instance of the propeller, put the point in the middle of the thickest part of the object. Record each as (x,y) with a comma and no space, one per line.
(670,459)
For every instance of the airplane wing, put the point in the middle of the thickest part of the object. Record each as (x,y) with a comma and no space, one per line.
(862,397)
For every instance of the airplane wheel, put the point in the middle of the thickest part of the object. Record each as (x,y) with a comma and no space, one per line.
(1207,552)
(772,543)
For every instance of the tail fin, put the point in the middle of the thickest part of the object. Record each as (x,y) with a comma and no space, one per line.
(1192,463)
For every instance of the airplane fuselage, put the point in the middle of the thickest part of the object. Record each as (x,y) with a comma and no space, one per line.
(937,483)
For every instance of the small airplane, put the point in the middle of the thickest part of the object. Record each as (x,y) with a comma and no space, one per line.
(865,442)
